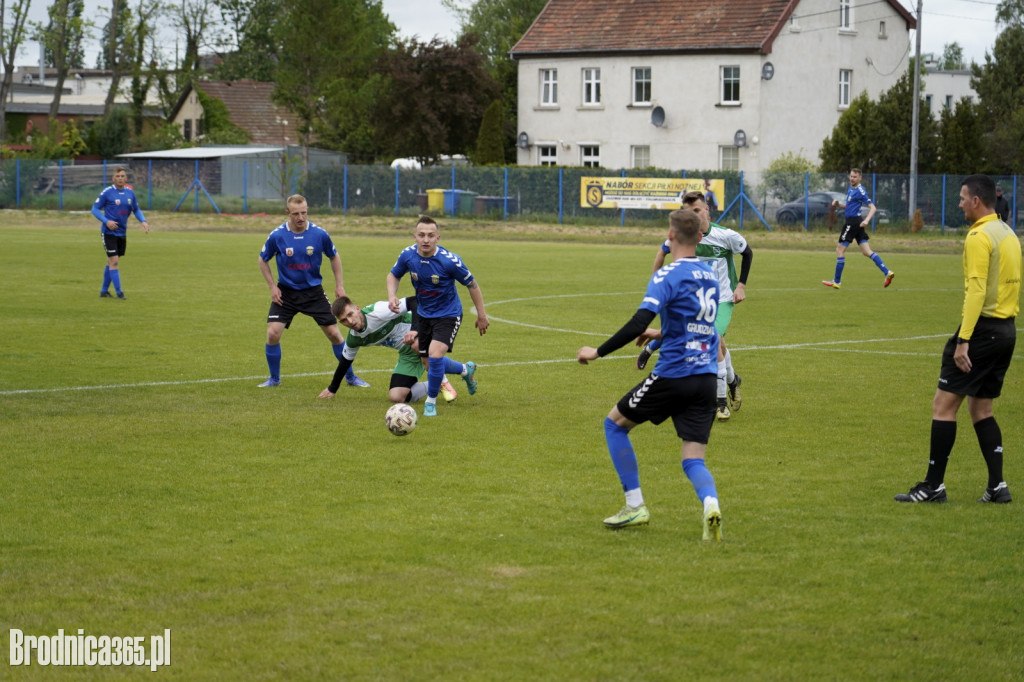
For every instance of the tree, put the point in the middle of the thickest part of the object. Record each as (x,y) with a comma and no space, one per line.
(952,57)
(62,40)
(849,145)
(217,125)
(249,48)
(13,17)
(143,71)
(1000,87)
(113,133)
(192,18)
(498,25)
(434,100)
(325,75)
(783,178)
(489,147)
(960,140)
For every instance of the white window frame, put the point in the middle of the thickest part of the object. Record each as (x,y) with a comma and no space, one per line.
(590,155)
(591,79)
(845,87)
(640,156)
(547,154)
(549,87)
(949,103)
(881,30)
(642,85)
(729,77)
(845,15)
(928,103)
(729,158)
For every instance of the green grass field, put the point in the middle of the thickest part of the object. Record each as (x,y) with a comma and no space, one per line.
(148,484)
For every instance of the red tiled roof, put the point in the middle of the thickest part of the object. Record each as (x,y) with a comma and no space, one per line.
(603,26)
(250,108)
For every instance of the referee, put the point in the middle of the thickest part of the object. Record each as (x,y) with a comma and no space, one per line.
(975,360)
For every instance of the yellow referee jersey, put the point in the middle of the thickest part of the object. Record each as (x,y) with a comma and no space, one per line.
(992,273)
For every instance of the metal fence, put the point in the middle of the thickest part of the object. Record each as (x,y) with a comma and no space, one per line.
(772,201)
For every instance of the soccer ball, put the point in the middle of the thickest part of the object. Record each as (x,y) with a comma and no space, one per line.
(400,419)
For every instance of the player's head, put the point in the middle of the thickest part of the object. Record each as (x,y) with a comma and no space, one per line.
(348,313)
(298,211)
(855,176)
(977,196)
(695,201)
(707,184)
(427,235)
(120,177)
(685,226)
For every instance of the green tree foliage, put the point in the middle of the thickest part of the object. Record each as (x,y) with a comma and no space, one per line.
(498,25)
(218,127)
(875,136)
(952,57)
(435,98)
(62,40)
(783,178)
(113,133)
(251,49)
(13,18)
(961,140)
(325,76)
(167,136)
(490,149)
(1000,87)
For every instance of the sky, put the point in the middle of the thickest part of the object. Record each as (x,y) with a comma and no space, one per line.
(971,23)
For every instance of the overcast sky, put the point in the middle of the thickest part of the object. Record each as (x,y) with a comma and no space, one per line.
(968,22)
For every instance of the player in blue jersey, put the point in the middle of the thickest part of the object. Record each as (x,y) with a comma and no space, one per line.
(377,325)
(684,294)
(853,230)
(299,247)
(434,271)
(112,208)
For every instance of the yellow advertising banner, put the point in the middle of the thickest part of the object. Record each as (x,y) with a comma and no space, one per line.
(645,193)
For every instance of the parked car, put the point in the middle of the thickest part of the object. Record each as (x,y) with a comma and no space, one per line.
(818,207)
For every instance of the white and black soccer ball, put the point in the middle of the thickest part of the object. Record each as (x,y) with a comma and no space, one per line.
(400,419)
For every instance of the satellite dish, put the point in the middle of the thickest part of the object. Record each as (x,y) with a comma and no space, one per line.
(657,116)
(740,138)
(767,71)
(523,140)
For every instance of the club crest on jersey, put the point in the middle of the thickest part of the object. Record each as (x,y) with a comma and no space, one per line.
(434,279)
(117,202)
(414,276)
(289,252)
(309,250)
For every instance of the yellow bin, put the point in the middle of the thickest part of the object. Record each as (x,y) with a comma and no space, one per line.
(435,201)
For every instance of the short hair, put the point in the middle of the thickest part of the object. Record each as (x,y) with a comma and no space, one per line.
(686,225)
(858,171)
(339,305)
(981,186)
(427,220)
(120,169)
(692,197)
(295,199)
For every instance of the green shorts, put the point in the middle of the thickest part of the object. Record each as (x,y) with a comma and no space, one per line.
(723,317)
(409,363)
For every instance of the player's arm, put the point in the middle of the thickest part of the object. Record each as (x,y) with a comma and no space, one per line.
(392,286)
(870,215)
(98,212)
(339,374)
(636,326)
(739,292)
(659,258)
(268,275)
(482,323)
(339,280)
(977,254)
(139,215)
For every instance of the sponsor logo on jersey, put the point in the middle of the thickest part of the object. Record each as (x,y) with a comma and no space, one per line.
(309,250)
(289,252)
(434,279)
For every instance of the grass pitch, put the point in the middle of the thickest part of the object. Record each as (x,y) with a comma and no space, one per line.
(148,484)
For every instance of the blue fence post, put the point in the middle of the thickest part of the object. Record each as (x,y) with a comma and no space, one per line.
(504,198)
(560,194)
(943,203)
(807,193)
(622,212)
(245,187)
(196,210)
(397,191)
(874,197)
(742,193)
(453,191)
(104,172)
(344,190)
(60,184)
(17,183)
(149,184)
(1013,205)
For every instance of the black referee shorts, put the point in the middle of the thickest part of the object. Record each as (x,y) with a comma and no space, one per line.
(990,350)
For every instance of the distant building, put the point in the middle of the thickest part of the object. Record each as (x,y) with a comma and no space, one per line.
(943,89)
(249,107)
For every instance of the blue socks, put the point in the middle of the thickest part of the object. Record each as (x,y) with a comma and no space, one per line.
(274,360)
(452,367)
(106,278)
(115,278)
(878,261)
(700,477)
(435,375)
(840,264)
(623,455)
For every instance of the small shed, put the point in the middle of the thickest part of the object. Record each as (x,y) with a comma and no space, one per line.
(257,172)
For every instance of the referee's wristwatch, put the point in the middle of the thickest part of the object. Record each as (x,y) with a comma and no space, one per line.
(960,340)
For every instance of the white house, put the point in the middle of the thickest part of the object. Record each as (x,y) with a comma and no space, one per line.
(944,88)
(699,84)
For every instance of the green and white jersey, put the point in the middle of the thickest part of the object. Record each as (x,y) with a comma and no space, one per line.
(383,328)
(717,248)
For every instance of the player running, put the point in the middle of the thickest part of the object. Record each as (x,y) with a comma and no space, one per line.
(378,325)
(853,230)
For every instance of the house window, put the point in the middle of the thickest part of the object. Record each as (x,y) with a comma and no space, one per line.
(928,103)
(640,156)
(590,155)
(187,129)
(730,85)
(845,79)
(846,14)
(642,85)
(548,87)
(199,128)
(591,86)
(729,158)
(881,30)
(949,102)
(547,155)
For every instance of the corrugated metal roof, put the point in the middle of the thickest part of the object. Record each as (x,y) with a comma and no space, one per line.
(203,152)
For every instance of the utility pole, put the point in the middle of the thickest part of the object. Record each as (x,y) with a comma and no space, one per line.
(915,125)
